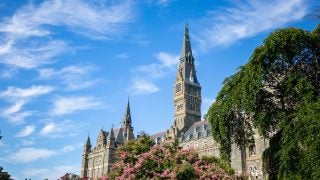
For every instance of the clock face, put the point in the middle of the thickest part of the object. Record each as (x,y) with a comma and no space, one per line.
(178,87)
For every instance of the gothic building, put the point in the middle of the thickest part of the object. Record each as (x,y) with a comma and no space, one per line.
(192,132)
(96,161)
(187,128)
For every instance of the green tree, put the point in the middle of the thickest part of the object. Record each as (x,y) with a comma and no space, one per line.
(277,91)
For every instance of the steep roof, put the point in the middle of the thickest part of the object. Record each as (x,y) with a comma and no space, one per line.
(197,130)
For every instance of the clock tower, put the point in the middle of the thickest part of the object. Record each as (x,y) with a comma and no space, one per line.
(187,91)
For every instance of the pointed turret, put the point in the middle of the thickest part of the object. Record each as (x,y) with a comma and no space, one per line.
(127,124)
(88,143)
(101,139)
(87,146)
(111,139)
(127,116)
(86,152)
(186,46)
(186,66)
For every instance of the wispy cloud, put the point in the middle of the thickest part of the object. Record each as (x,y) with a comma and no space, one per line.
(27,39)
(25,155)
(26,131)
(61,129)
(246,19)
(26,93)
(52,173)
(71,147)
(68,105)
(141,86)
(18,97)
(73,77)
(122,56)
(145,75)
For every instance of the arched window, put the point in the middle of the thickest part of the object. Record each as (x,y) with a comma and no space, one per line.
(252,150)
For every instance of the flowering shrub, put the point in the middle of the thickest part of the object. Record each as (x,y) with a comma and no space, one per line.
(165,162)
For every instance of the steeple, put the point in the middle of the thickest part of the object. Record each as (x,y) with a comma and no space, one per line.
(187,66)
(186,46)
(127,116)
(127,128)
(111,139)
(88,143)
(87,146)
(187,91)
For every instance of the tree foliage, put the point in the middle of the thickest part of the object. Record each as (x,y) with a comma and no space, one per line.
(164,162)
(277,91)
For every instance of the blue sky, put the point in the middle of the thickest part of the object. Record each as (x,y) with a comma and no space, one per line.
(68,66)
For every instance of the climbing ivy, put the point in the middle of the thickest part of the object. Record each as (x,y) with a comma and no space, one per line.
(277,92)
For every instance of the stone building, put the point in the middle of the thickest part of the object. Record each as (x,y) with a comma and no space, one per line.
(187,128)
(97,161)
(191,131)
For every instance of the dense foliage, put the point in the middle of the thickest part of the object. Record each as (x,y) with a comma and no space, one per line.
(142,160)
(277,91)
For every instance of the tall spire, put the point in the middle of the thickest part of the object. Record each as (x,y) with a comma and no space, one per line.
(127,115)
(88,143)
(187,65)
(186,46)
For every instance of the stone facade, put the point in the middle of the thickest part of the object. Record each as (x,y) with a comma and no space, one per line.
(191,132)
(200,138)
(187,128)
(96,161)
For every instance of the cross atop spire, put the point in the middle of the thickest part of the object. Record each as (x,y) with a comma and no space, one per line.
(186,46)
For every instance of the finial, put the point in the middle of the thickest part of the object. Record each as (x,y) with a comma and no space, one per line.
(186,27)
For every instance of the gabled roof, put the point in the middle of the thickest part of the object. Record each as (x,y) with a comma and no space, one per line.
(118,135)
(197,130)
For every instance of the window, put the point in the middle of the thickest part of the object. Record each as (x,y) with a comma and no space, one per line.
(178,87)
(252,150)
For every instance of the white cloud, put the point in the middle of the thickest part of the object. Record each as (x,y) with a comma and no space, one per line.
(27,142)
(28,130)
(247,19)
(8,72)
(26,155)
(31,92)
(61,129)
(122,56)
(24,54)
(48,128)
(14,112)
(68,105)
(27,39)
(157,70)
(73,77)
(143,82)
(52,173)
(71,147)
(168,60)
(140,86)
(19,97)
